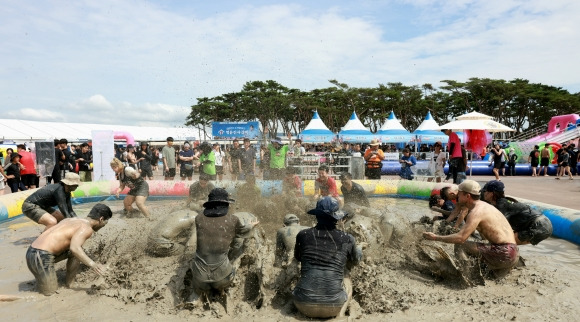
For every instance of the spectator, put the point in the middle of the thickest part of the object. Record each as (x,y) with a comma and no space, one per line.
(374,157)
(168,158)
(84,158)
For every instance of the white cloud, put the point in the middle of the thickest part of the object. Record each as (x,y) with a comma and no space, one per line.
(148,63)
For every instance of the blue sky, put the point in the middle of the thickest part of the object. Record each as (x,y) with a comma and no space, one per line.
(145,62)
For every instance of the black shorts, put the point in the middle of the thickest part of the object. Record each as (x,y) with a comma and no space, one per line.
(564,164)
(28,179)
(497,165)
(373,173)
(170,173)
(545,162)
(147,172)
(219,169)
(184,173)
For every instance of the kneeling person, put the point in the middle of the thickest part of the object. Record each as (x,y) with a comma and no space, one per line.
(216,231)
(323,290)
(39,206)
(286,239)
(65,241)
(501,253)
(198,192)
(163,239)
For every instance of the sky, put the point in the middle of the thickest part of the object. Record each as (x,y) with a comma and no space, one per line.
(145,63)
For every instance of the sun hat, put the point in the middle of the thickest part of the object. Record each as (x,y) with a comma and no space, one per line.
(14,155)
(71,179)
(470,186)
(374,142)
(328,207)
(218,203)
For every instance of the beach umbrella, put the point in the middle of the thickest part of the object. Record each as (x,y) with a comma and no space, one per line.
(476,121)
(355,132)
(316,131)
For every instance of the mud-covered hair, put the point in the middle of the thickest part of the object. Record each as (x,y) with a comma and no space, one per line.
(116,162)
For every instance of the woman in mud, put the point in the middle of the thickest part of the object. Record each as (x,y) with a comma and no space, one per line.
(139,189)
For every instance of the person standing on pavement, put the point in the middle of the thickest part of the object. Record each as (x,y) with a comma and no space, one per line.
(455,155)
(374,158)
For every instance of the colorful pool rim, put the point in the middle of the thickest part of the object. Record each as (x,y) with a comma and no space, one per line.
(565,221)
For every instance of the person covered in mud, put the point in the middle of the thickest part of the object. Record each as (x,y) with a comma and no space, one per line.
(198,192)
(292,184)
(286,239)
(39,206)
(529,225)
(443,203)
(501,253)
(163,238)
(323,290)
(249,193)
(325,185)
(216,230)
(139,188)
(352,191)
(65,241)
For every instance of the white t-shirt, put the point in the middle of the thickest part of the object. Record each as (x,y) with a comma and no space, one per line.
(219,157)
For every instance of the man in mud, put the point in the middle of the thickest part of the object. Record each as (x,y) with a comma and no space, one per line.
(65,241)
(39,206)
(529,226)
(164,237)
(198,192)
(352,191)
(323,290)
(216,230)
(501,253)
(286,239)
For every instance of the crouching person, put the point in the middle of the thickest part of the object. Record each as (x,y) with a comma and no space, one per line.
(323,290)
(164,237)
(65,241)
(216,230)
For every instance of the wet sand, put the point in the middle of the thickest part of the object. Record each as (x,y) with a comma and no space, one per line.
(387,285)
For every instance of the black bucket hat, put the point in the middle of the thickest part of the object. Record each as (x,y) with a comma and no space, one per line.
(218,203)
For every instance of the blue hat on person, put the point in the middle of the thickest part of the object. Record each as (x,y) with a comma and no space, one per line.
(328,207)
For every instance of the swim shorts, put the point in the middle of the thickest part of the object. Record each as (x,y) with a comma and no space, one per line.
(34,211)
(564,164)
(207,276)
(545,162)
(184,173)
(41,265)
(28,179)
(499,256)
(147,173)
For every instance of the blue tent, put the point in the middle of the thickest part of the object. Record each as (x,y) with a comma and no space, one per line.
(316,131)
(428,132)
(355,132)
(393,132)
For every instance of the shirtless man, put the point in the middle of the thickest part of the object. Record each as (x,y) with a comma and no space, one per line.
(198,193)
(65,241)
(286,239)
(39,205)
(501,253)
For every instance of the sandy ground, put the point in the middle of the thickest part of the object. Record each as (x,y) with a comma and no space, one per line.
(398,278)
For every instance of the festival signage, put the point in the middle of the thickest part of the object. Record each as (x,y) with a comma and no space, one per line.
(232,130)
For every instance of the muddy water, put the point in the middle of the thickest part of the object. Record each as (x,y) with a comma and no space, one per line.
(386,286)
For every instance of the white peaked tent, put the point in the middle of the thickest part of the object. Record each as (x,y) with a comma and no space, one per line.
(316,131)
(355,132)
(428,131)
(393,132)
(476,121)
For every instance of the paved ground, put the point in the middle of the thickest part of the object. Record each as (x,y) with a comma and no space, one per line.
(563,192)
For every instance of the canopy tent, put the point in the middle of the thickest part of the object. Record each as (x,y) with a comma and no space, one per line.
(355,132)
(316,131)
(22,130)
(476,121)
(393,132)
(428,131)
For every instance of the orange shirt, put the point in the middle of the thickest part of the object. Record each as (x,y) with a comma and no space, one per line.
(374,160)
